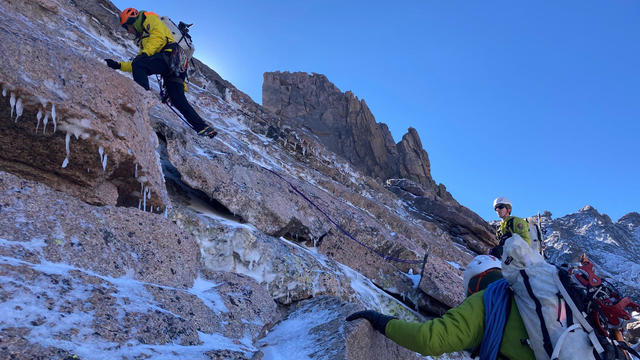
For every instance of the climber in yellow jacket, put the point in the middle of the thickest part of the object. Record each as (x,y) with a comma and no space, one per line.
(508,226)
(156,45)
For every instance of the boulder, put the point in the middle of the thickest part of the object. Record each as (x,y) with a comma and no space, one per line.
(442,281)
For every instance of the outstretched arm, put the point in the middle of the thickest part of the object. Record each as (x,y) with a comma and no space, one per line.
(460,328)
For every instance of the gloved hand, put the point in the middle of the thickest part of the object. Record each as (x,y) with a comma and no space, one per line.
(377,320)
(113,64)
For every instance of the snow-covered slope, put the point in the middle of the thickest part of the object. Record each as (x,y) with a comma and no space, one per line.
(613,247)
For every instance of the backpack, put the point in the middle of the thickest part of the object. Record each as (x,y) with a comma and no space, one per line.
(563,316)
(183,52)
(535,234)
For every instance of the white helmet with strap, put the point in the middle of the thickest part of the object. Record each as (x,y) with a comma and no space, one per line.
(478,265)
(501,200)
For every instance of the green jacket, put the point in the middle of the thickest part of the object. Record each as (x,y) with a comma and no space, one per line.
(518,226)
(508,226)
(459,329)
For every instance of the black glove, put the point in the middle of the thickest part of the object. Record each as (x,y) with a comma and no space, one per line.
(113,64)
(377,320)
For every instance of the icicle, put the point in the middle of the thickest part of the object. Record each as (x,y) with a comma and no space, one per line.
(135,174)
(144,200)
(38,116)
(104,163)
(149,193)
(67,139)
(4,91)
(12,102)
(44,123)
(18,109)
(139,204)
(53,116)
(103,159)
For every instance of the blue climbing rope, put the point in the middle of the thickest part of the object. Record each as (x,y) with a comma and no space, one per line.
(496,302)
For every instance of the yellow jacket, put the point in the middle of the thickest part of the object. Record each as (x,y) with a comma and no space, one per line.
(154,36)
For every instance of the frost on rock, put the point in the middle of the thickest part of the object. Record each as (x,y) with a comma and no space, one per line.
(78,127)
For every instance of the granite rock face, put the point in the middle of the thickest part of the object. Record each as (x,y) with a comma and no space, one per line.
(458,221)
(67,125)
(118,278)
(345,125)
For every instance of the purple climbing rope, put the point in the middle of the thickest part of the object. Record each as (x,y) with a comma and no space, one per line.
(386,257)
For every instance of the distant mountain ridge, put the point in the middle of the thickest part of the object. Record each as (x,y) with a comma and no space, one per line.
(613,247)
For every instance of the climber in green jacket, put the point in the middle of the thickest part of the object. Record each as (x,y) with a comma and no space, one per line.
(508,226)
(461,328)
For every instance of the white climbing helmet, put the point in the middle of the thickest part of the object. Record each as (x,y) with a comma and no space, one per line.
(478,265)
(501,200)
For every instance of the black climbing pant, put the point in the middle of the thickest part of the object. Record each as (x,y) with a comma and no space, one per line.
(157,64)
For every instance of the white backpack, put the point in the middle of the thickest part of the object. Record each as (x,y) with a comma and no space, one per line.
(181,35)
(535,234)
(545,306)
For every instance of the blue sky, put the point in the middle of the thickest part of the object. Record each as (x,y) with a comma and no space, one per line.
(538,101)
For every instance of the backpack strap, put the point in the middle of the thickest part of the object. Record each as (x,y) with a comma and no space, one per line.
(577,315)
(510,225)
(561,339)
(546,338)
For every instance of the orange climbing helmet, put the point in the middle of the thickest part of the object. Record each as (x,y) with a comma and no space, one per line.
(128,16)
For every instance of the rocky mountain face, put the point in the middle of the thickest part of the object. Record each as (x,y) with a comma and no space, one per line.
(346,126)
(614,247)
(124,235)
